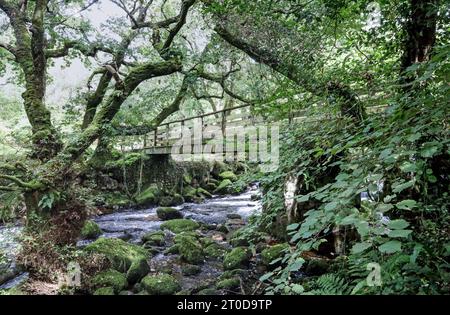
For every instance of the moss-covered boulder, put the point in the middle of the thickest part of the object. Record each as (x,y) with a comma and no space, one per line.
(238,258)
(203,193)
(228,284)
(149,196)
(138,270)
(190,270)
(218,168)
(190,249)
(273,252)
(90,230)
(162,284)
(224,187)
(110,278)
(154,238)
(215,251)
(180,225)
(167,213)
(228,175)
(120,253)
(171,201)
(104,291)
(189,193)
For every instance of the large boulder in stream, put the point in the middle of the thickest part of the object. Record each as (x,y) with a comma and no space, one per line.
(168,213)
(124,257)
(180,225)
(161,284)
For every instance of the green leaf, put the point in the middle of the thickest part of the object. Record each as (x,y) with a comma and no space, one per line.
(296,265)
(400,187)
(399,233)
(297,288)
(398,224)
(408,167)
(292,227)
(391,247)
(406,204)
(360,247)
(429,149)
(331,206)
(266,276)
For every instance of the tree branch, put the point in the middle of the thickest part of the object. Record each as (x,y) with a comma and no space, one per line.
(89,51)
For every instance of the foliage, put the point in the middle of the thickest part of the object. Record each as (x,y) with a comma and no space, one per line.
(399,160)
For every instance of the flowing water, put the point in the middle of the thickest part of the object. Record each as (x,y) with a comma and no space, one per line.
(132,224)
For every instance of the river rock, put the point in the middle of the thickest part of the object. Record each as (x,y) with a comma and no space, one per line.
(154,238)
(110,278)
(238,258)
(190,249)
(162,284)
(120,253)
(104,291)
(170,201)
(272,253)
(228,175)
(167,213)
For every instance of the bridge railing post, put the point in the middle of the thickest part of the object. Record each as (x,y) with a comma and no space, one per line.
(155,136)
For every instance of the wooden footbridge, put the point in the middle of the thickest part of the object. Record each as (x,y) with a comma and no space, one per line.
(206,128)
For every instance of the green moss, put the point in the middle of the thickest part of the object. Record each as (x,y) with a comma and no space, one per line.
(149,196)
(154,238)
(228,175)
(233,273)
(180,225)
(189,193)
(104,291)
(273,252)
(110,278)
(90,230)
(138,270)
(167,213)
(190,249)
(224,187)
(207,292)
(120,253)
(203,193)
(228,284)
(238,258)
(174,249)
(170,201)
(215,251)
(162,284)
